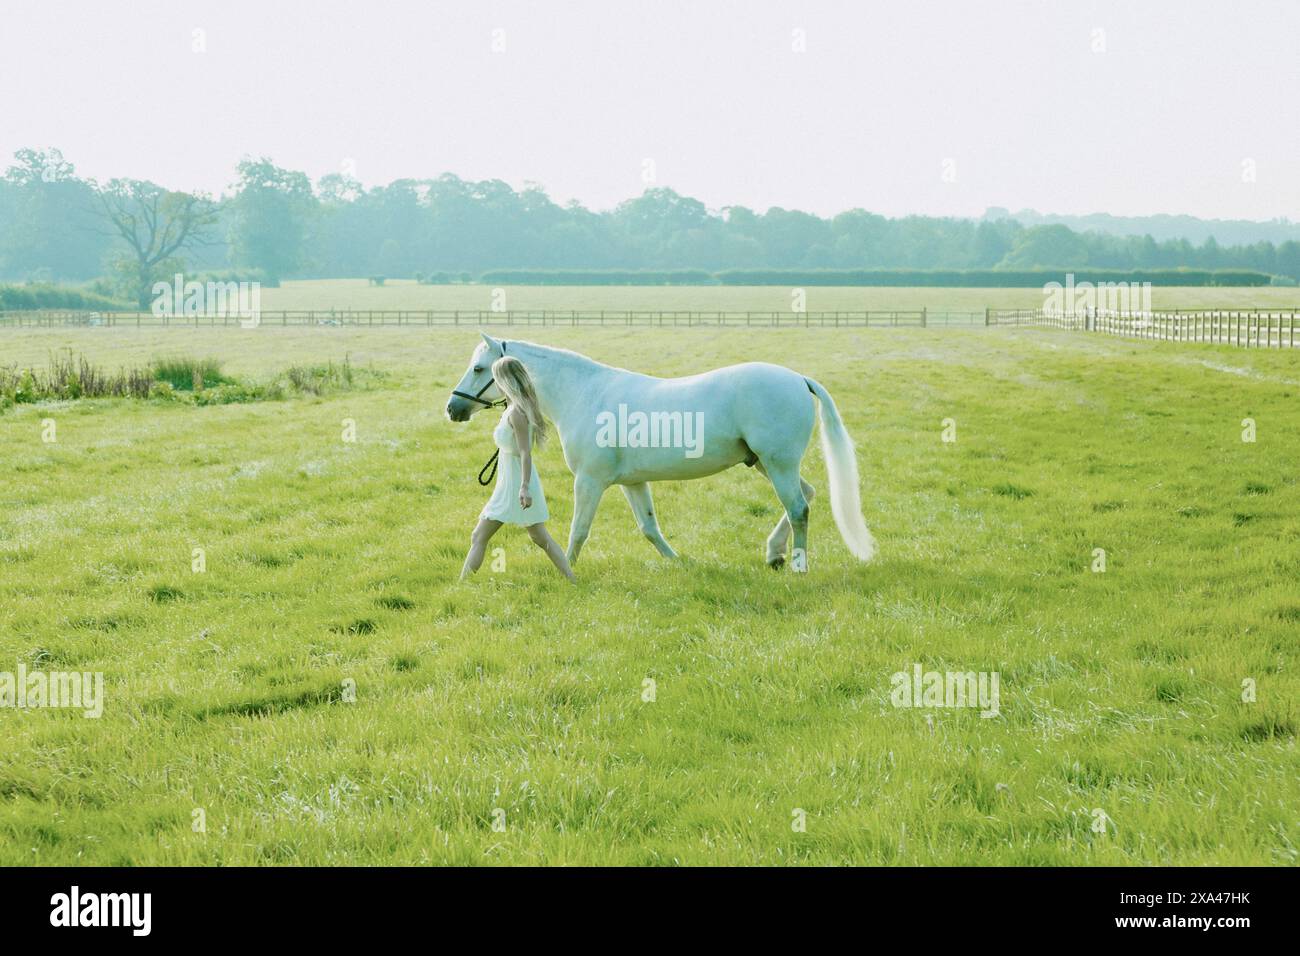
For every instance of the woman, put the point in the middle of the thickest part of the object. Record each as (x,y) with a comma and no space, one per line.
(517,498)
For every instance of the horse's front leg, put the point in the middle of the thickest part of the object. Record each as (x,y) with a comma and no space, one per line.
(643,509)
(586,497)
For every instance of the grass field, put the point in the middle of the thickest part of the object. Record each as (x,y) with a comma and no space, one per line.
(504,720)
(406,294)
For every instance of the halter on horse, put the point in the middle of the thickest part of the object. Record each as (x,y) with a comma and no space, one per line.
(501,403)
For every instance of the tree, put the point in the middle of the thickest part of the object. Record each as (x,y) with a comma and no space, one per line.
(48,219)
(993,240)
(272,211)
(1288,259)
(1209,255)
(156,224)
(1056,247)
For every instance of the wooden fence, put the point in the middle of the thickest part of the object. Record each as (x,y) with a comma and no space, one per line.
(516,317)
(1243,328)
(1253,328)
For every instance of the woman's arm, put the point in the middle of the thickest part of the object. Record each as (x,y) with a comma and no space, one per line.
(519,422)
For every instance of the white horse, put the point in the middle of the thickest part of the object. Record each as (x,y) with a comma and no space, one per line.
(623,428)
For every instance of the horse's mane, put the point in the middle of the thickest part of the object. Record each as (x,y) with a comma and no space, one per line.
(565,353)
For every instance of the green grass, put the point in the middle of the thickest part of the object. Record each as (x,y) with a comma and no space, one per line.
(331,567)
(184,373)
(68,376)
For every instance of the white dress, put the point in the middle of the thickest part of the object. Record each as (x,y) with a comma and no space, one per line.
(504,504)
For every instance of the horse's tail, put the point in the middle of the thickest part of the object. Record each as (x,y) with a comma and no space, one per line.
(842,473)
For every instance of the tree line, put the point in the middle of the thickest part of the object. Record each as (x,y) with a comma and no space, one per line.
(884,278)
(121,236)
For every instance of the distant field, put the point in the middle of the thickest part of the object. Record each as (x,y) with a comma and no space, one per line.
(503,721)
(406,294)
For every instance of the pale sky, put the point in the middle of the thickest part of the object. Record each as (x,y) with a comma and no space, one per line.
(1134,107)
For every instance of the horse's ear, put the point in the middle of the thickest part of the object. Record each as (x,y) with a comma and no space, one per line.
(492,343)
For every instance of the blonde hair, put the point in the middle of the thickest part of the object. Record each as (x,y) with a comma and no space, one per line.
(513,379)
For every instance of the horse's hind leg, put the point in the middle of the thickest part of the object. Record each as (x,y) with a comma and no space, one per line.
(794,493)
(638,496)
(780,536)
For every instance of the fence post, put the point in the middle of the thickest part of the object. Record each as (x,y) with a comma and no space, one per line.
(986,315)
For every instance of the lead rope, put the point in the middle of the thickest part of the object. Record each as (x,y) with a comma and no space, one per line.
(491,463)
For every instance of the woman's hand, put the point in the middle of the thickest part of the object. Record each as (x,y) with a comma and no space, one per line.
(525,499)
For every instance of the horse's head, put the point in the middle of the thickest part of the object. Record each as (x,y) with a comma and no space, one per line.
(476,390)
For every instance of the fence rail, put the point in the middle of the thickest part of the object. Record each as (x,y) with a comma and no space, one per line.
(468,317)
(1247,328)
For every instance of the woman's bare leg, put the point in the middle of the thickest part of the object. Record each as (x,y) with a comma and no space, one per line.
(483,532)
(542,538)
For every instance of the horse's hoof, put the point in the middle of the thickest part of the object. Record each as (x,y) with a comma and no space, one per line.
(799,561)
(777,563)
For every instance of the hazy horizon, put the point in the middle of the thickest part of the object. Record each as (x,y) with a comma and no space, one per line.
(938,109)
